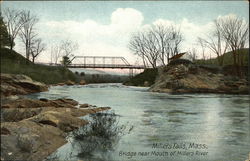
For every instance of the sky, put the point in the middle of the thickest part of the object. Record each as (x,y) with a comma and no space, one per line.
(103,28)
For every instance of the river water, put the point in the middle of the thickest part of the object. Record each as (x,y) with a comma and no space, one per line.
(186,127)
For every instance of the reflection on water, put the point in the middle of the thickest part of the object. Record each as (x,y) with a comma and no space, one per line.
(221,122)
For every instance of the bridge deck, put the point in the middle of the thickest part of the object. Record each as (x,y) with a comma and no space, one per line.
(120,66)
(112,66)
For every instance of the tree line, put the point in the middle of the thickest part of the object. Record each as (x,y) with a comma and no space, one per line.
(156,44)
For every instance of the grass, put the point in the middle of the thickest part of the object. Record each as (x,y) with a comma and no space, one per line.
(228,58)
(14,63)
(149,75)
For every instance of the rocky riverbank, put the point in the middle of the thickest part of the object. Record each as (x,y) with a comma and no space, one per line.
(183,76)
(33,129)
(17,84)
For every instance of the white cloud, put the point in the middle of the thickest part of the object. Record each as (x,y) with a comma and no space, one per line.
(164,22)
(95,38)
(193,31)
(127,19)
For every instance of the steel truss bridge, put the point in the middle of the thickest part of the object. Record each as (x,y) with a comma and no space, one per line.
(100,62)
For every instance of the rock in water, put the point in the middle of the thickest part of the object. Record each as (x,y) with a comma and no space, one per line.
(16,84)
(85,105)
(185,77)
(70,83)
(82,82)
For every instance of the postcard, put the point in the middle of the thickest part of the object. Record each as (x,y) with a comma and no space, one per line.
(125,80)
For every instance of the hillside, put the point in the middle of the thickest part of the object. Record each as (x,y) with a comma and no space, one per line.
(146,78)
(228,58)
(14,63)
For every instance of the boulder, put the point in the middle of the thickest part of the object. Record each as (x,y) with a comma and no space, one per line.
(243,89)
(64,121)
(16,84)
(70,83)
(18,114)
(85,105)
(60,84)
(76,112)
(27,140)
(82,82)
(146,84)
(31,103)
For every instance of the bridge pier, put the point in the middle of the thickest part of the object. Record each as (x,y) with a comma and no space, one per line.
(131,73)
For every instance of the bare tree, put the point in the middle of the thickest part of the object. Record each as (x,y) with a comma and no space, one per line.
(192,54)
(235,31)
(175,41)
(136,45)
(156,43)
(143,45)
(56,53)
(216,44)
(68,47)
(168,39)
(13,22)
(203,47)
(36,48)
(162,36)
(151,48)
(27,33)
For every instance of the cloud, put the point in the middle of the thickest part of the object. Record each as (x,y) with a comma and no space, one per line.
(123,21)
(164,22)
(126,19)
(191,31)
(95,38)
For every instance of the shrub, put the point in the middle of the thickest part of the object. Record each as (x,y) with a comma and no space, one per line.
(82,74)
(180,61)
(148,75)
(102,133)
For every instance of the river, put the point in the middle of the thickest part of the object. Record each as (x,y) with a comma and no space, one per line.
(185,127)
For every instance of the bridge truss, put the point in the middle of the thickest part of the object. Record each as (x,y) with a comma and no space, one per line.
(102,62)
